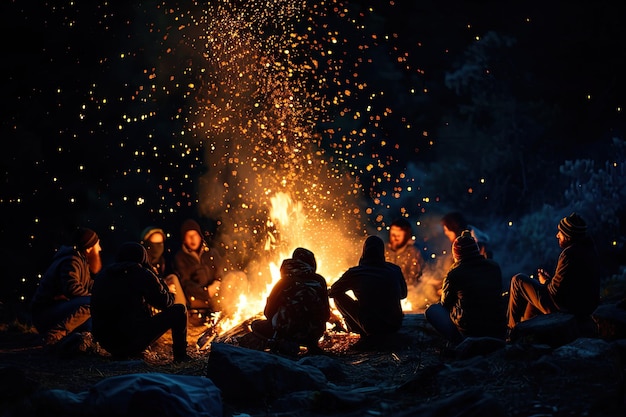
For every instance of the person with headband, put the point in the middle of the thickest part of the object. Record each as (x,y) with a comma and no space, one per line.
(153,239)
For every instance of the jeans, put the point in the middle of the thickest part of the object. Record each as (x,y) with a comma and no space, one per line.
(439,317)
(528,298)
(63,318)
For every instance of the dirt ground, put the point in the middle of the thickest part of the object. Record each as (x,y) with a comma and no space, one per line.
(409,364)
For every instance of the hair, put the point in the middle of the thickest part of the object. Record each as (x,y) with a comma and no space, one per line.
(455,221)
(403,224)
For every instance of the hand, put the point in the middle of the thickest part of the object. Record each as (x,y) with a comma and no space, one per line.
(214,288)
(172,288)
(543,276)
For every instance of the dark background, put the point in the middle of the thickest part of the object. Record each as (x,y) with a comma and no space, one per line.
(426,106)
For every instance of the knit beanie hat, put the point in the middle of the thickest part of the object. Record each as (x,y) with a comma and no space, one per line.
(465,246)
(84,238)
(573,226)
(188,225)
(305,256)
(132,252)
(149,231)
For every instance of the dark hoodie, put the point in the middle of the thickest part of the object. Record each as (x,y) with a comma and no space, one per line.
(123,293)
(378,286)
(197,270)
(301,267)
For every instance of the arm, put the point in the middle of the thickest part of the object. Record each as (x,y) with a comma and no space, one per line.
(154,289)
(273,300)
(448,295)
(75,277)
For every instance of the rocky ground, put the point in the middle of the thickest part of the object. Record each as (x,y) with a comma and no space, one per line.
(406,374)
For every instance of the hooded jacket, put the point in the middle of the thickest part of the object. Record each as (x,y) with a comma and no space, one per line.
(123,293)
(68,276)
(378,286)
(197,270)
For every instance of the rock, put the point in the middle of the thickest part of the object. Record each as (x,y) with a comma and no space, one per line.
(474,346)
(136,395)
(555,329)
(611,321)
(251,376)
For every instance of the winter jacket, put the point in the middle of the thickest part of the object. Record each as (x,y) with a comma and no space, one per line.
(295,270)
(122,296)
(378,286)
(67,277)
(409,259)
(472,292)
(575,285)
(196,272)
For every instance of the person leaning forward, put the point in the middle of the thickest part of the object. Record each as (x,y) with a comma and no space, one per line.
(123,294)
(61,303)
(573,288)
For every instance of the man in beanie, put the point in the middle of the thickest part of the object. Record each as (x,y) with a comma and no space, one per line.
(153,239)
(379,287)
(123,295)
(573,288)
(200,271)
(61,303)
(471,298)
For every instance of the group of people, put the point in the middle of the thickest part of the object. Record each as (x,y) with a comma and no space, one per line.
(132,302)
(473,302)
(368,297)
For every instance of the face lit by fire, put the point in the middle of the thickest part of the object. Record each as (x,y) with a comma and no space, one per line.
(563,240)
(93,258)
(192,240)
(397,237)
(449,233)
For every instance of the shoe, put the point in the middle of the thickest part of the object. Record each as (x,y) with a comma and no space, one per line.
(286,347)
(182,358)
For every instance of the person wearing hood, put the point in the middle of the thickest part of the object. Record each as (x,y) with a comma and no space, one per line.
(60,306)
(401,251)
(200,270)
(153,239)
(574,287)
(297,308)
(123,295)
(471,299)
(378,286)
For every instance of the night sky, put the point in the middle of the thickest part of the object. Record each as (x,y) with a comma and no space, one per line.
(279,123)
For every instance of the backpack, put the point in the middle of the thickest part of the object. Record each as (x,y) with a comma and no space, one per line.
(303,313)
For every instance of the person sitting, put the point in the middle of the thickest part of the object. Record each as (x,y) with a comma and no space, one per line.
(471,299)
(200,271)
(401,251)
(297,308)
(573,288)
(454,223)
(379,287)
(153,239)
(60,306)
(123,294)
